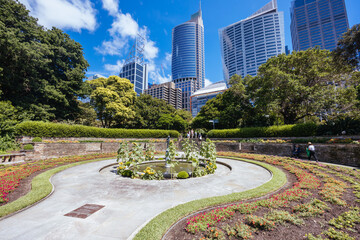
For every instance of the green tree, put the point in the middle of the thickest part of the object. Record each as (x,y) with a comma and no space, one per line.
(113,99)
(348,48)
(301,85)
(148,111)
(44,67)
(8,118)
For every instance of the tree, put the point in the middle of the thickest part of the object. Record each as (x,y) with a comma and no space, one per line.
(113,99)
(231,108)
(348,48)
(301,85)
(44,67)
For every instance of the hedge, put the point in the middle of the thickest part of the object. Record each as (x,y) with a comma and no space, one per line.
(46,129)
(298,130)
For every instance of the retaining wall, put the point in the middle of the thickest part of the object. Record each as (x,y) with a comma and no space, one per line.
(346,154)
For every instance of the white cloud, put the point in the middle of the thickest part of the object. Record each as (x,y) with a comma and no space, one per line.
(114,69)
(150,50)
(65,14)
(207,82)
(124,25)
(112,6)
(113,47)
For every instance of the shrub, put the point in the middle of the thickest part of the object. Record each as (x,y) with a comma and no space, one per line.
(43,129)
(298,130)
(28,147)
(37,139)
(182,175)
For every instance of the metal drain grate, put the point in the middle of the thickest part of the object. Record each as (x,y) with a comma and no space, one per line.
(84,211)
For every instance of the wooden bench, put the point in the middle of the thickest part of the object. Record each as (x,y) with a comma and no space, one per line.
(247,151)
(10,157)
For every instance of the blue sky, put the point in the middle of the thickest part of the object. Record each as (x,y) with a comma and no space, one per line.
(106,28)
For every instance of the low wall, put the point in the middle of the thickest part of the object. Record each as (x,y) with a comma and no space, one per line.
(55,150)
(346,154)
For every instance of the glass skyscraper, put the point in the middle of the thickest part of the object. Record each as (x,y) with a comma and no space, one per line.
(188,57)
(137,74)
(317,23)
(247,44)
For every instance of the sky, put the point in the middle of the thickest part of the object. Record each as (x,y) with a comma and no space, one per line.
(106,29)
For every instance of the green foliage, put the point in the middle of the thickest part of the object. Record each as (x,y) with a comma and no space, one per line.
(36,139)
(8,144)
(113,99)
(151,174)
(182,175)
(301,85)
(299,130)
(337,235)
(283,217)
(339,124)
(240,230)
(28,147)
(44,67)
(259,222)
(347,219)
(8,118)
(313,208)
(309,236)
(154,113)
(349,47)
(42,129)
(215,233)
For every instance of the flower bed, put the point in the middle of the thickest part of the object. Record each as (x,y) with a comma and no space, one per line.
(321,198)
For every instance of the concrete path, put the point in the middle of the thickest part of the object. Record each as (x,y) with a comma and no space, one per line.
(129,203)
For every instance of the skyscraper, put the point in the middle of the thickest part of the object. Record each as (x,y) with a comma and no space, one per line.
(247,44)
(188,58)
(134,67)
(317,23)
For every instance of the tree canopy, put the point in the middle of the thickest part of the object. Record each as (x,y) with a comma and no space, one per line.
(300,85)
(45,67)
(348,48)
(113,99)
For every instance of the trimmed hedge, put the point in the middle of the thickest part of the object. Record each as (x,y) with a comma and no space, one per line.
(298,130)
(45,129)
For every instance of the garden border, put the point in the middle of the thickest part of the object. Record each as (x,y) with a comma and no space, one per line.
(40,190)
(160,224)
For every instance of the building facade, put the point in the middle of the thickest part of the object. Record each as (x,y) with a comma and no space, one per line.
(317,23)
(168,92)
(200,97)
(188,57)
(247,44)
(137,74)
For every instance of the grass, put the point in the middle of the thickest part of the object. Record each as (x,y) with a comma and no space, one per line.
(157,227)
(40,188)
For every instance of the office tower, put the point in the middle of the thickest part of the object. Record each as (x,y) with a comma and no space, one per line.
(168,92)
(134,67)
(188,60)
(317,23)
(199,98)
(247,44)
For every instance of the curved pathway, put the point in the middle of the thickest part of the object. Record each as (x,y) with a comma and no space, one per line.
(129,203)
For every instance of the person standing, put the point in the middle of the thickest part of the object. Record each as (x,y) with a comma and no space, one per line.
(311,149)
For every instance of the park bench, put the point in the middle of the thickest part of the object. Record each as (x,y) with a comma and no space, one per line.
(10,157)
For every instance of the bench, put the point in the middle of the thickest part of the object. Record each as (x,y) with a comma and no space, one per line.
(10,157)
(247,151)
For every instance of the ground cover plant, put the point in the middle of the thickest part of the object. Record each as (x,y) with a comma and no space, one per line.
(11,176)
(321,202)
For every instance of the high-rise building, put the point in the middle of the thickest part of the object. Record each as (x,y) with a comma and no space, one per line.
(134,68)
(247,44)
(188,57)
(168,92)
(201,96)
(317,23)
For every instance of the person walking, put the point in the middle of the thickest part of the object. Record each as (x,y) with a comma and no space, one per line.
(311,151)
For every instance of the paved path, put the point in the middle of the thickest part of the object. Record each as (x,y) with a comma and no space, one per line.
(129,203)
